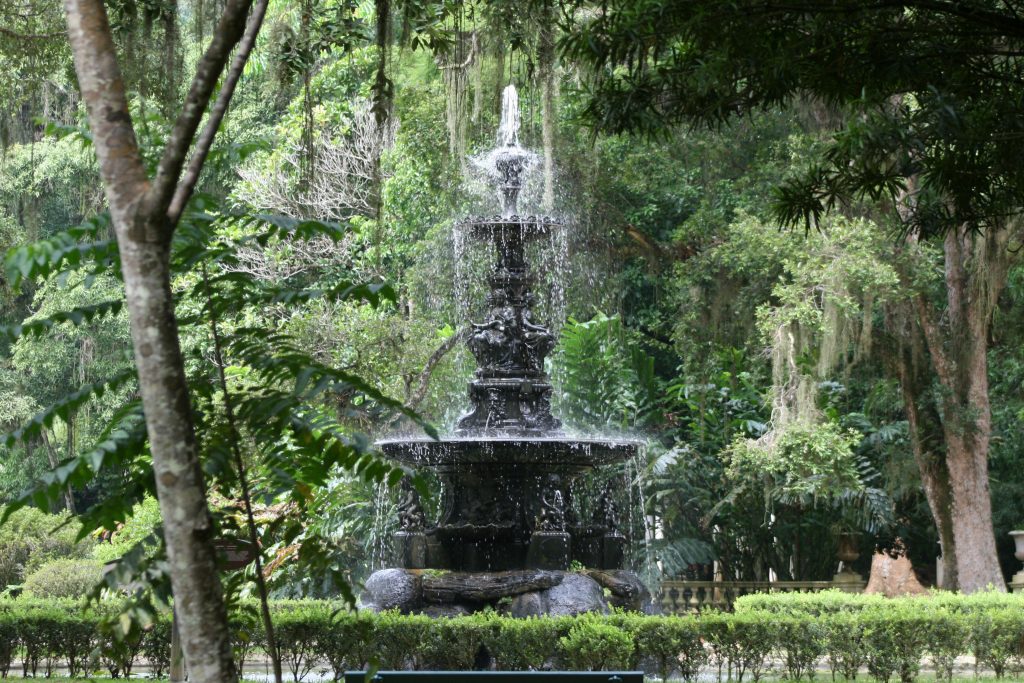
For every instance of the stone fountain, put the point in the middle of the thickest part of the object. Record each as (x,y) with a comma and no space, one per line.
(506,535)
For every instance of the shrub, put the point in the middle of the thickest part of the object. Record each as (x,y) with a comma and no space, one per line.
(592,645)
(524,644)
(68,578)
(844,638)
(156,646)
(800,643)
(674,643)
(741,643)
(297,627)
(996,638)
(947,635)
(895,641)
(347,642)
(31,537)
(889,637)
(452,644)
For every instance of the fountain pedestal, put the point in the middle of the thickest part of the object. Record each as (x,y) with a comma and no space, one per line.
(507,474)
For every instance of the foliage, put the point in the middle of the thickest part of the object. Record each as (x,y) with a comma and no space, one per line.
(805,461)
(31,538)
(63,578)
(802,630)
(604,380)
(593,646)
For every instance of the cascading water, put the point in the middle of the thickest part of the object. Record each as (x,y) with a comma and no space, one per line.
(506,527)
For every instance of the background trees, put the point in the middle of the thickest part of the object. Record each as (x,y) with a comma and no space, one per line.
(688,316)
(927,105)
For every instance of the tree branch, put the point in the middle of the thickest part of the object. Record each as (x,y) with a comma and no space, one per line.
(188,181)
(29,36)
(428,369)
(229,31)
(102,86)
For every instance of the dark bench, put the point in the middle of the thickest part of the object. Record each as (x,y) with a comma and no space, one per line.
(496,677)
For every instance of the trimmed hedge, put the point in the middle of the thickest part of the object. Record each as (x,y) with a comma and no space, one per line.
(788,635)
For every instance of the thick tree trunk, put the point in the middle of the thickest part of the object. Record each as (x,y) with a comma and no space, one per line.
(926,435)
(975,272)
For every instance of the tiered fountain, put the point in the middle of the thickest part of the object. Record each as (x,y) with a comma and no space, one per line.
(506,534)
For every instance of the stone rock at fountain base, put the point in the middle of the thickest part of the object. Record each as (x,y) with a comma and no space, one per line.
(438,611)
(455,587)
(528,605)
(627,590)
(520,593)
(392,589)
(578,593)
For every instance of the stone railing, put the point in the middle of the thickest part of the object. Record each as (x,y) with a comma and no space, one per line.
(682,597)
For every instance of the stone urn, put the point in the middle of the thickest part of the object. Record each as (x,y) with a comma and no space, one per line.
(847,553)
(1017,582)
(1018,539)
(849,547)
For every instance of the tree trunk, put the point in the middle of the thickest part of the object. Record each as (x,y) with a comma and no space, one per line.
(140,214)
(975,272)
(199,603)
(546,61)
(926,436)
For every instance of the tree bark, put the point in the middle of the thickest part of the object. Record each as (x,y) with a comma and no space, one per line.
(139,213)
(549,115)
(51,457)
(913,370)
(976,266)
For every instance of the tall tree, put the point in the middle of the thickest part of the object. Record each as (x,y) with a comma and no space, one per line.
(144,213)
(934,102)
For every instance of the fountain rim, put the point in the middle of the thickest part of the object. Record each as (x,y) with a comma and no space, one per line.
(548,453)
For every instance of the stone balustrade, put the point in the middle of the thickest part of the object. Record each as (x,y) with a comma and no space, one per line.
(685,597)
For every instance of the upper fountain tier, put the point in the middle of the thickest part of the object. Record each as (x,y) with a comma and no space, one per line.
(510,394)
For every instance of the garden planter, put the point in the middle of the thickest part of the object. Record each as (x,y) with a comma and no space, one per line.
(1017,582)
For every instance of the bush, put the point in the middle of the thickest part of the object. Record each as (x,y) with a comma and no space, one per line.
(524,644)
(30,538)
(888,637)
(592,645)
(63,579)
(674,643)
(740,643)
(997,638)
(948,636)
(844,642)
(800,643)
(894,642)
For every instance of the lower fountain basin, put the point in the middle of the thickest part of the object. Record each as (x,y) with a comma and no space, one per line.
(533,454)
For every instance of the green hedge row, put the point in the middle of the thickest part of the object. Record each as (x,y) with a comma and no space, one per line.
(790,635)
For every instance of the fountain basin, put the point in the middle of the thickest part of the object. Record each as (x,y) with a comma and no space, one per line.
(533,454)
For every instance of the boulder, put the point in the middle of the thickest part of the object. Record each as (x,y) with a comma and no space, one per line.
(392,589)
(436,611)
(576,594)
(528,605)
(627,590)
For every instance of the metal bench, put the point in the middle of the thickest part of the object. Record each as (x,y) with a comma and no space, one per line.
(495,677)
